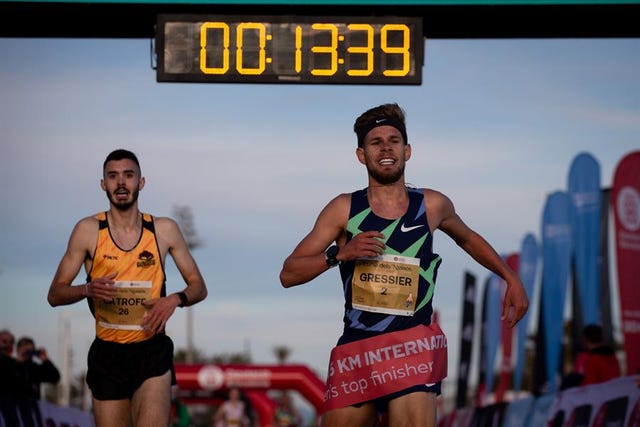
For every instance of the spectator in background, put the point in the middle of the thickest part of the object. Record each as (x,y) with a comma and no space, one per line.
(286,414)
(180,416)
(12,385)
(36,366)
(598,363)
(6,343)
(232,412)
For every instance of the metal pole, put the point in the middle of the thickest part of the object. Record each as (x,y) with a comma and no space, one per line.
(189,355)
(65,355)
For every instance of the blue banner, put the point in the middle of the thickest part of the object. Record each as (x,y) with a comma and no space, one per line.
(482,374)
(556,259)
(493,312)
(585,196)
(467,332)
(606,303)
(527,271)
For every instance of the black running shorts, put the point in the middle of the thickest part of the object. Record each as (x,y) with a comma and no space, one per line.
(115,371)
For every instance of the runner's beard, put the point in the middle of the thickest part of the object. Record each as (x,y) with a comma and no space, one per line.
(386,178)
(125,205)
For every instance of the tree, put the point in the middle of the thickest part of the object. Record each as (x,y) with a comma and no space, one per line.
(180,356)
(184,217)
(282,353)
(231,359)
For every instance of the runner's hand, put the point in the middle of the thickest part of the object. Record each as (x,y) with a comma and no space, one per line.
(102,287)
(158,312)
(516,302)
(365,244)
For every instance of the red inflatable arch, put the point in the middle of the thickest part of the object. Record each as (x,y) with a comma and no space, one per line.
(255,381)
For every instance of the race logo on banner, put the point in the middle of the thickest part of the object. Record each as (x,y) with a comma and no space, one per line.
(367,369)
(556,254)
(625,197)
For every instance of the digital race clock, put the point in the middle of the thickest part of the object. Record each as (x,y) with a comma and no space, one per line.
(286,49)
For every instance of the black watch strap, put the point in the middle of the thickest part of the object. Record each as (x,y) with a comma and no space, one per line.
(330,256)
(183,299)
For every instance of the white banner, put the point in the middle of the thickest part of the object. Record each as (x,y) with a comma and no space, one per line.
(612,403)
(63,416)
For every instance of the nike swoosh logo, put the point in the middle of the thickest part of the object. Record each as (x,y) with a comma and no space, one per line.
(407,229)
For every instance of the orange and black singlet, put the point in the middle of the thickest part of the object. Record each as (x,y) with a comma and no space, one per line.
(140,277)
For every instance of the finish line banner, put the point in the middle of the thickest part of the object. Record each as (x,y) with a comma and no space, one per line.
(367,369)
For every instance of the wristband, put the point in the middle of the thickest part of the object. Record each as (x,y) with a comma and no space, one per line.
(183,299)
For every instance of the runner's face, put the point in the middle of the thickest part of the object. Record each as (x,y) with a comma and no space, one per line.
(384,153)
(122,183)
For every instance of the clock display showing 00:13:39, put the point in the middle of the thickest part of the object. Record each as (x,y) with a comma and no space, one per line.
(375,50)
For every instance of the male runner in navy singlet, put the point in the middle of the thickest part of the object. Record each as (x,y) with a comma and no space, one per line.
(130,362)
(381,238)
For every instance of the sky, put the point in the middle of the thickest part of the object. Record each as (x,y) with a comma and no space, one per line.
(494,125)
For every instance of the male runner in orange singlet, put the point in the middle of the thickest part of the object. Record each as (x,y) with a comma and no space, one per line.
(130,362)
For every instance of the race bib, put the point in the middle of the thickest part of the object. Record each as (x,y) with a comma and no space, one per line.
(386,284)
(125,311)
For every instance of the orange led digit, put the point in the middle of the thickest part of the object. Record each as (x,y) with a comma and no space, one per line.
(366,50)
(401,50)
(298,54)
(203,47)
(331,49)
(240,30)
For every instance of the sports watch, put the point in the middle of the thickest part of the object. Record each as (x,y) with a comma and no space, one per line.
(330,256)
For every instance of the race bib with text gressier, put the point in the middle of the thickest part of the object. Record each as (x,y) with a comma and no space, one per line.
(386,284)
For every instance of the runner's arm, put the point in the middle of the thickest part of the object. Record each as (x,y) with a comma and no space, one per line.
(307,261)
(171,240)
(196,289)
(515,303)
(61,291)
